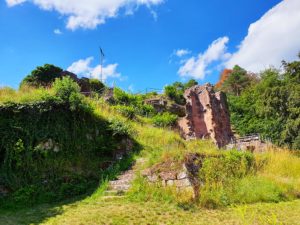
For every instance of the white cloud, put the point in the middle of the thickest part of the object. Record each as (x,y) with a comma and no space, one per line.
(181,52)
(57,31)
(11,3)
(107,71)
(88,13)
(83,67)
(274,37)
(197,67)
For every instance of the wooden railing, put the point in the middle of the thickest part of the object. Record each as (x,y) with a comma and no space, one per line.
(247,138)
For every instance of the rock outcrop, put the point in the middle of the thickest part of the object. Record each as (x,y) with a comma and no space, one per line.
(207,115)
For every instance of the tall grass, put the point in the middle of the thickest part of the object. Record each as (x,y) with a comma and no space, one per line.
(24,95)
(275,178)
(283,167)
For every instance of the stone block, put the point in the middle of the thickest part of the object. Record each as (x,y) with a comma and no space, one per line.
(170,182)
(181,175)
(183,183)
(170,175)
(153,178)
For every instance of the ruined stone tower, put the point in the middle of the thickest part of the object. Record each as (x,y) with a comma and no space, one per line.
(207,115)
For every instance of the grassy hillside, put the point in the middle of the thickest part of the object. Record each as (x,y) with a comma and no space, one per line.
(258,189)
(53,146)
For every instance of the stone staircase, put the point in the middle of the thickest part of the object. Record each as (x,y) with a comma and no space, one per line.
(118,188)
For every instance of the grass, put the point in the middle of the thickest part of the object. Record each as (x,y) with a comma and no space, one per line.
(24,95)
(283,168)
(123,211)
(277,179)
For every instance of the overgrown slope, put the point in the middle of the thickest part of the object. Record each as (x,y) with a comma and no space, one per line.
(55,147)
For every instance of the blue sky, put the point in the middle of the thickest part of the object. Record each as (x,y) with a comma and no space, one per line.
(147,43)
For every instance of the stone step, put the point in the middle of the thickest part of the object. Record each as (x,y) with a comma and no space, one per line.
(114,192)
(128,175)
(112,197)
(119,187)
(119,182)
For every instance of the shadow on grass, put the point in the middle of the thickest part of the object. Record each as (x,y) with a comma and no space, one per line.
(39,213)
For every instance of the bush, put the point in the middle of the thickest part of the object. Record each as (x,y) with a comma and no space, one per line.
(119,128)
(65,87)
(220,175)
(127,111)
(96,86)
(165,120)
(176,90)
(145,110)
(123,98)
(173,93)
(69,91)
(230,165)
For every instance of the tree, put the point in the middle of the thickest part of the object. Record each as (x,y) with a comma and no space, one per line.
(270,106)
(223,77)
(176,90)
(237,81)
(190,83)
(42,76)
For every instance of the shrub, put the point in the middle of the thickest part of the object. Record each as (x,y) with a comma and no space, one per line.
(123,98)
(145,110)
(96,86)
(220,175)
(65,87)
(176,90)
(69,91)
(119,128)
(127,111)
(230,165)
(173,93)
(164,120)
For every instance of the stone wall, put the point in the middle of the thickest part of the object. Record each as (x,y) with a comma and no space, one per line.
(178,178)
(252,143)
(182,175)
(207,115)
(161,105)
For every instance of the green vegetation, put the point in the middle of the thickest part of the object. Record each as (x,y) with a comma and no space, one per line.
(164,120)
(176,90)
(57,148)
(42,76)
(270,106)
(237,81)
(123,211)
(130,105)
(96,86)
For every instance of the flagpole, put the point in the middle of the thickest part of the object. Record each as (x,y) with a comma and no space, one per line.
(101,63)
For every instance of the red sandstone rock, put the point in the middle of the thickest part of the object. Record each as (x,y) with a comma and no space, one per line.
(207,115)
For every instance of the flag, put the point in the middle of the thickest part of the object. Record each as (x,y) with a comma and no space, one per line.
(101,51)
